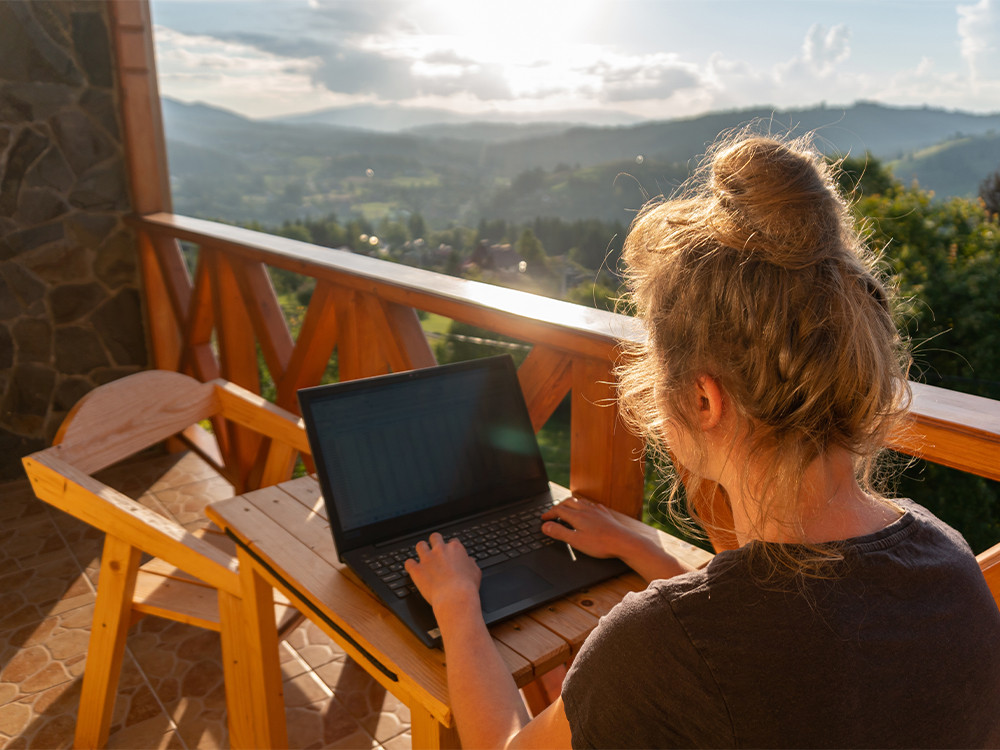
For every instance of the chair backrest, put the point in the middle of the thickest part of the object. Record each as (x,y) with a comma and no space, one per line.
(123,417)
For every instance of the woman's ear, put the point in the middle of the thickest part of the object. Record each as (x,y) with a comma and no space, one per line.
(710,401)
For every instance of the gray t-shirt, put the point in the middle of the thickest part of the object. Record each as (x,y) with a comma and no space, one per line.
(900,650)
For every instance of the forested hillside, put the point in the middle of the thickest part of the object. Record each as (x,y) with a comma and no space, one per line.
(229,167)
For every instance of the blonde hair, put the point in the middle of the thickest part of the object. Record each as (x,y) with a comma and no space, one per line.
(757,276)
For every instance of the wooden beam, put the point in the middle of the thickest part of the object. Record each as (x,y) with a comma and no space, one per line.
(606,460)
(199,322)
(954,429)
(164,332)
(142,119)
(359,354)
(266,316)
(238,357)
(530,317)
(313,348)
(402,338)
(546,377)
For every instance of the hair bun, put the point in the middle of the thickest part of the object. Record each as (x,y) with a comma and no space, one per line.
(779,201)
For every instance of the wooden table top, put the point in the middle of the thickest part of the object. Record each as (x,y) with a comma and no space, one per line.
(285,530)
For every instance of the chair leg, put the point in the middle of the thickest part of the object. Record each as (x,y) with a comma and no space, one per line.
(241,704)
(254,692)
(112,617)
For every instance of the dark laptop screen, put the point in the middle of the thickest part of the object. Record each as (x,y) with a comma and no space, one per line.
(402,452)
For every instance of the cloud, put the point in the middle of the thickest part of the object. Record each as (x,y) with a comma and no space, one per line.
(979,39)
(233,74)
(824,48)
(283,57)
(378,65)
(351,17)
(639,78)
(444,73)
(211,55)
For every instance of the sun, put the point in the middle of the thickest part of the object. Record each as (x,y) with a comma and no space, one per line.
(522,28)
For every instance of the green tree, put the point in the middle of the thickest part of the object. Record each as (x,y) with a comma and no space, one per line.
(864,176)
(592,294)
(530,248)
(465,341)
(417,226)
(946,260)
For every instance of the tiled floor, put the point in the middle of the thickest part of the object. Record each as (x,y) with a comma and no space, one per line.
(171,693)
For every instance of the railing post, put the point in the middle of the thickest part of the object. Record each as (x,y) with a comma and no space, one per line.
(606,459)
(237,356)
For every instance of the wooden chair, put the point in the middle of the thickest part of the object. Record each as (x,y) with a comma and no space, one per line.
(189,578)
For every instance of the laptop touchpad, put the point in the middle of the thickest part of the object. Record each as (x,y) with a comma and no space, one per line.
(510,585)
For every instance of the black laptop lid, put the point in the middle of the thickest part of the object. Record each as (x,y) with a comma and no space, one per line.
(401,453)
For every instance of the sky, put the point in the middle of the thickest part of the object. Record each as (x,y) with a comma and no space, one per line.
(651,59)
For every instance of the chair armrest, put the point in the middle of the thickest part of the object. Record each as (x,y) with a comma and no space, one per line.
(64,486)
(257,413)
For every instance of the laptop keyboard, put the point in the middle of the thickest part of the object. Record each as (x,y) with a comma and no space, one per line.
(488,543)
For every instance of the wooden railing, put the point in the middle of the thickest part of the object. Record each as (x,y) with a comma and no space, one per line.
(212,324)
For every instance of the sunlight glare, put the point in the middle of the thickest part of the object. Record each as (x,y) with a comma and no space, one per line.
(534,43)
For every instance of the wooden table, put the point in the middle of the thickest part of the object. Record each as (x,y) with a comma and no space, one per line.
(284,542)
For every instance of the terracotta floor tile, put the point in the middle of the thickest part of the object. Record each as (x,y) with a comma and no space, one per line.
(322,724)
(305,690)
(31,595)
(184,469)
(314,646)
(400,742)
(380,713)
(186,504)
(42,659)
(18,502)
(83,541)
(198,731)
(137,476)
(155,733)
(28,542)
(357,741)
(292,665)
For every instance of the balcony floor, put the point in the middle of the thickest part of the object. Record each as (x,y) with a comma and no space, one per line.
(171,693)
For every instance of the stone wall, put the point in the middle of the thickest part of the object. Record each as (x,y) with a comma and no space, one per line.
(70,307)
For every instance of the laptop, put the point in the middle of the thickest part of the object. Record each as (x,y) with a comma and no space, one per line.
(449,449)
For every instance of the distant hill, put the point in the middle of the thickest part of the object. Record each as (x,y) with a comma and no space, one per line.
(227,166)
(393,118)
(887,132)
(953,168)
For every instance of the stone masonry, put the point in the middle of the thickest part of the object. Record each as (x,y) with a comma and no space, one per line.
(70,305)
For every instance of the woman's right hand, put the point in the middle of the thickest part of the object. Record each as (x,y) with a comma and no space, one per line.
(590,527)
(599,531)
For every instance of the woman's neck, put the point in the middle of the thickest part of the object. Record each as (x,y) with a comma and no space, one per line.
(830,506)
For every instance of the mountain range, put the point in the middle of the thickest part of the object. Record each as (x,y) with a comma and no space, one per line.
(230,167)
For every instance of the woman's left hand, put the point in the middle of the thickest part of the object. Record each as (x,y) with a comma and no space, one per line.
(444,572)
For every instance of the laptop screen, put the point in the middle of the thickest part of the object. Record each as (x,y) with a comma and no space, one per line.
(400,453)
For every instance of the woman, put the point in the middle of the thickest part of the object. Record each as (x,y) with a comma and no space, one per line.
(772,371)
